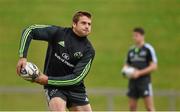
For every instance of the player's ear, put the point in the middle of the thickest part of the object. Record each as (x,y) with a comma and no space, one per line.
(74,24)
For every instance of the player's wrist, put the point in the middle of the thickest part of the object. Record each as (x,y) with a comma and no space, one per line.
(22,58)
(22,55)
(140,73)
(42,79)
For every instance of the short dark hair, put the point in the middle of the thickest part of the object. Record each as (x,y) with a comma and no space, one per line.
(139,30)
(80,14)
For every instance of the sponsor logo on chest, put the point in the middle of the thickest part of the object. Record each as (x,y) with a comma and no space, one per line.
(64,59)
(65,56)
(143,53)
(141,56)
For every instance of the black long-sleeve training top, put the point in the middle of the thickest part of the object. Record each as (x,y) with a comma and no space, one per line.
(68,58)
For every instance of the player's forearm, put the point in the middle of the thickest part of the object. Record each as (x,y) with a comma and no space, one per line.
(24,45)
(70,79)
(36,32)
(80,72)
(152,67)
(58,81)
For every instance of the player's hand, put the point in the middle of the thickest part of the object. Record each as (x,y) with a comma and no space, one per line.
(21,64)
(136,74)
(42,79)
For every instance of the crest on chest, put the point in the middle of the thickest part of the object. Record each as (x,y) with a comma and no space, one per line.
(78,55)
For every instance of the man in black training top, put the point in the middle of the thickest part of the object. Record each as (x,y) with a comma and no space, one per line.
(142,57)
(68,61)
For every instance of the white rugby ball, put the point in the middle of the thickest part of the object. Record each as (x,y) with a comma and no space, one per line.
(29,72)
(128,71)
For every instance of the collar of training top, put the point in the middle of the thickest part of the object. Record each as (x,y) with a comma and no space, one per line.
(75,35)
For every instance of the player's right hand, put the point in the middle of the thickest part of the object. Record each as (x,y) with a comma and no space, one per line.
(21,64)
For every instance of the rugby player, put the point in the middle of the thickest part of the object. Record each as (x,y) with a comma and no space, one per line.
(68,60)
(143,58)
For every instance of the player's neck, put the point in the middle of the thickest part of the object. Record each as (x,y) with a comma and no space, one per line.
(76,33)
(139,45)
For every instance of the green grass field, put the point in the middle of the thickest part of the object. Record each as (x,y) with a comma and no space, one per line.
(113,21)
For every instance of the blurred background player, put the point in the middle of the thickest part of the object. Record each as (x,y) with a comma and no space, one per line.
(143,58)
(68,61)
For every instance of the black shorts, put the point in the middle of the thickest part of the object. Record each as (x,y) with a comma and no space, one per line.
(73,96)
(138,89)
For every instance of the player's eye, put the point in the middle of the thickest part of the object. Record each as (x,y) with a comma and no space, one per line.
(89,24)
(83,23)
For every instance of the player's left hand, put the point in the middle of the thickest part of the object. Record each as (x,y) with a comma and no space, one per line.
(136,74)
(42,79)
